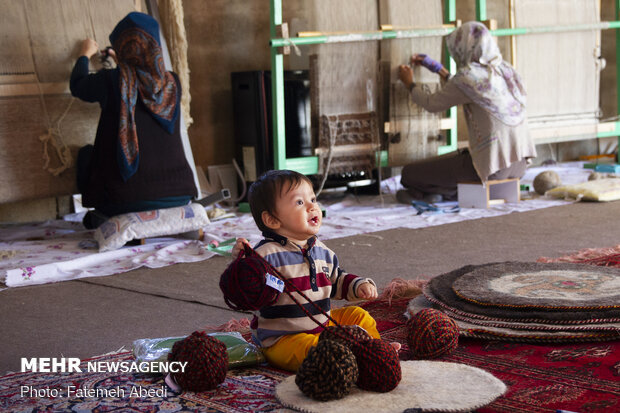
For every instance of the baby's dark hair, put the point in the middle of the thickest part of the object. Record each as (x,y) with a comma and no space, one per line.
(264,192)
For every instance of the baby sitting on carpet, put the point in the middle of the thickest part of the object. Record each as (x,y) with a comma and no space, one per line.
(285,209)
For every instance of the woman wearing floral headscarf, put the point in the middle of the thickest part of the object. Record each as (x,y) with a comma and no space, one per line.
(137,162)
(493,99)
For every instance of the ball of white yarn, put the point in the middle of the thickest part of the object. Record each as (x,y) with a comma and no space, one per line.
(545,181)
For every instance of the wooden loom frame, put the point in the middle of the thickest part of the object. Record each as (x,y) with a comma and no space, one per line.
(604,130)
(309,165)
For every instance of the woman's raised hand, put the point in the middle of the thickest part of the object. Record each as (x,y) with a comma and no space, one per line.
(417,58)
(89,48)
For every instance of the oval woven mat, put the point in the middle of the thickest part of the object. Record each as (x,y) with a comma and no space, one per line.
(429,385)
(538,285)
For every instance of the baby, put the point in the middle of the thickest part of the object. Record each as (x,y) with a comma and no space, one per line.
(285,209)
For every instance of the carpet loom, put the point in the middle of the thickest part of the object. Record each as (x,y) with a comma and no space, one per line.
(359,81)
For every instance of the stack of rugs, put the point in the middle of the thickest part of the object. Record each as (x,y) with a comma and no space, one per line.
(528,302)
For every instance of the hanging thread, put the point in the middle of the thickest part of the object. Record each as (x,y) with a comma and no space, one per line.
(172,22)
(333,133)
(54,139)
(54,136)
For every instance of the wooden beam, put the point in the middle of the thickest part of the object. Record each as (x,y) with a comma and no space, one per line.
(32,89)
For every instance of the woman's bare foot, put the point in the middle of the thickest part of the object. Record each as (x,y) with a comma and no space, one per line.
(397,346)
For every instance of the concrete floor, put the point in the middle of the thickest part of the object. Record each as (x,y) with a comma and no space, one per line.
(93,316)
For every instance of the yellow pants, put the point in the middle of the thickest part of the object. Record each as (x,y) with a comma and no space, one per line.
(289,352)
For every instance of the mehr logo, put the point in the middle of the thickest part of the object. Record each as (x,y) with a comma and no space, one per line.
(51,365)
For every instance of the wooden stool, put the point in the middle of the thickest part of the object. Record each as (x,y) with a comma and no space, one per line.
(479,195)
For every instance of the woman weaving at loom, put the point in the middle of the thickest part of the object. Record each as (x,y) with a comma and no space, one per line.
(493,99)
(137,162)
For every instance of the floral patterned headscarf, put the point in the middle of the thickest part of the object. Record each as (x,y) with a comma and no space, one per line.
(484,76)
(135,40)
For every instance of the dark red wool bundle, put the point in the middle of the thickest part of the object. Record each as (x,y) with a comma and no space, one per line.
(357,333)
(431,333)
(378,364)
(328,372)
(244,286)
(207,362)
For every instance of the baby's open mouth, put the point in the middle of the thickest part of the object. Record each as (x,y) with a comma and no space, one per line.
(314,220)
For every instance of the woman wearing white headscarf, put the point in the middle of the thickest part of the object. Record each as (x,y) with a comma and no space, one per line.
(493,99)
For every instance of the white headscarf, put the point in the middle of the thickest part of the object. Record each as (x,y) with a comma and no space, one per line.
(484,76)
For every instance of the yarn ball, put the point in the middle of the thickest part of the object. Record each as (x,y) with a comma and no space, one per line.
(545,181)
(431,333)
(335,333)
(244,285)
(328,372)
(379,366)
(207,362)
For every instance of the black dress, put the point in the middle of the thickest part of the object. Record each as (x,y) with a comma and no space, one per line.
(164,177)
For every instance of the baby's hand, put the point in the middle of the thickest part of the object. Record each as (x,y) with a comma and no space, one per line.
(367,291)
(239,246)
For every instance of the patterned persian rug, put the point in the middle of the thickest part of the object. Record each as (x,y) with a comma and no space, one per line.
(540,378)
(247,390)
(544,378)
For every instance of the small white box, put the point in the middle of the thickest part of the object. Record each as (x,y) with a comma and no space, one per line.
(483,195)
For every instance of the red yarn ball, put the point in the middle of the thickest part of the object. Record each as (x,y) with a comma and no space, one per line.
(336,333)
(378,364)
(207,362)
(431,333)
(244,286)
(328,372)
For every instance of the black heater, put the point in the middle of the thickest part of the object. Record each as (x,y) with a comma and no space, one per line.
(252,115)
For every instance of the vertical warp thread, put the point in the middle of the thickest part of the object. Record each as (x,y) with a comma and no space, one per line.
(418,128)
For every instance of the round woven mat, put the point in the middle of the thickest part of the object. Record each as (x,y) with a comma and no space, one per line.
(429,385)
(595,310)
(537,285)
(524,332)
